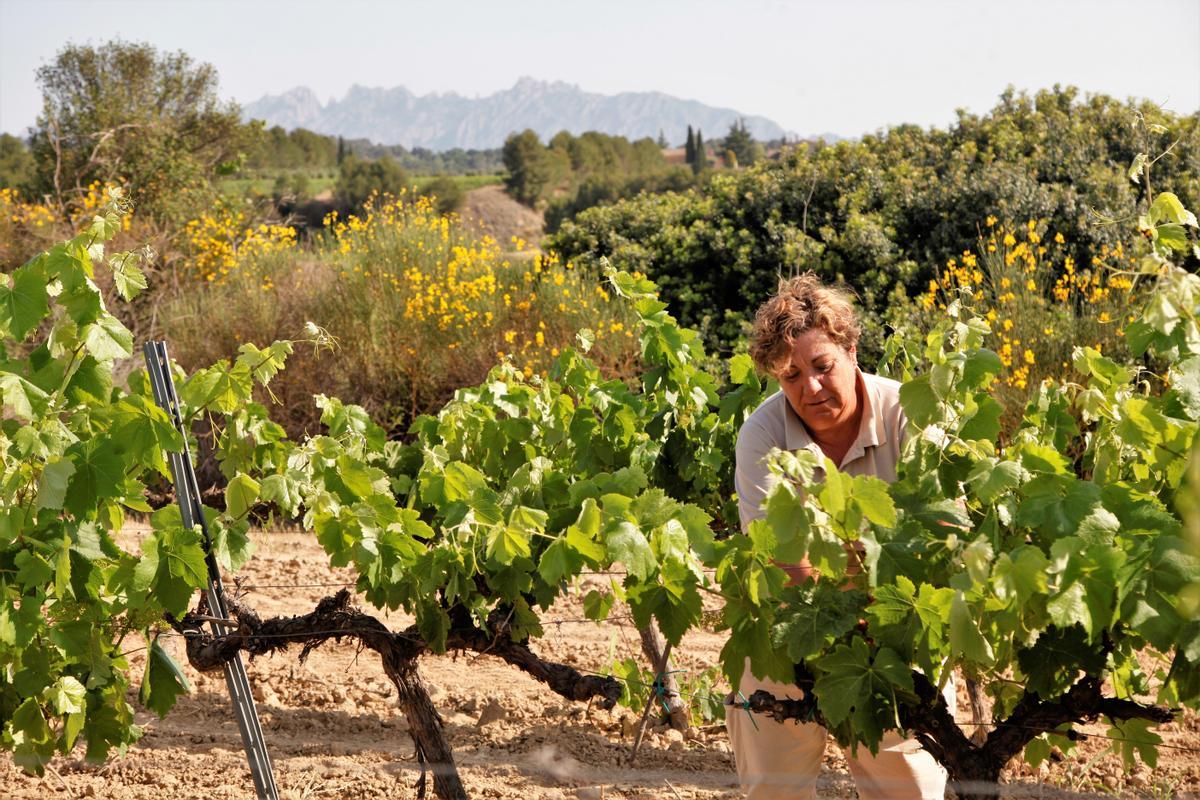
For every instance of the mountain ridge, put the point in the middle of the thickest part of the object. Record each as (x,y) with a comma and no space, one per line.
(443,121)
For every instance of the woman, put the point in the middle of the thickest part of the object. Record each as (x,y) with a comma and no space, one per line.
(806,336)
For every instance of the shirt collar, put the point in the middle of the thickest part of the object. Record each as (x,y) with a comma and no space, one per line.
(871,430)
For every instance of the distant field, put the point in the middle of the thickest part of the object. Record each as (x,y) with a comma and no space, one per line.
(469,182)
(266,184)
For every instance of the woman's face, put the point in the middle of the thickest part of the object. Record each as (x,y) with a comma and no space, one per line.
(821,383)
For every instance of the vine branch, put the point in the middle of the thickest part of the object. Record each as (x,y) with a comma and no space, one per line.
(335,618)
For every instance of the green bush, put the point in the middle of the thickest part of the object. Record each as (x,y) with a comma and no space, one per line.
(447,193)
(359,180)
(884,213)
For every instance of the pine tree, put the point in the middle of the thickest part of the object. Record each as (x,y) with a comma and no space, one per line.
(742,144)
(689,149)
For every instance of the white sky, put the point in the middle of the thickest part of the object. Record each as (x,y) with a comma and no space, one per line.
(814,66)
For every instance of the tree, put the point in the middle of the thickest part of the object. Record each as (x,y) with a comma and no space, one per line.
(700,159)
(16,162)
(360,179)
(662,142)
(447,194)
(123,112)
(689,148)
(532,169)
(742,144)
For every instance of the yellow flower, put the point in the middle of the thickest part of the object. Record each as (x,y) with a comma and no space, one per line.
(1008,324)
(1029,357)
(1031,285)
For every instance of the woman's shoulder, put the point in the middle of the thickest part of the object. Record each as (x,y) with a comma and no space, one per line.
(885,392)
(767,422)
(769,412)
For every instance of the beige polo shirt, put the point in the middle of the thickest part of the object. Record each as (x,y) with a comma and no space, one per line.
(774,424)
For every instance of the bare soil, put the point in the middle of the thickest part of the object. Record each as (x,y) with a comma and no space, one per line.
(490,210)
(333,728)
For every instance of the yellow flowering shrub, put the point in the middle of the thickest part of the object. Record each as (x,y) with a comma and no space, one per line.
(1038,301)
(29,226)
(223,239)
(25,228)
(420,304)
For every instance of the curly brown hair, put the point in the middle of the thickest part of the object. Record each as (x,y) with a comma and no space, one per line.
(798,305)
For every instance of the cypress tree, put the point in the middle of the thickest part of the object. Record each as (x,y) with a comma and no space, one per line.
(700,162)
(689,149)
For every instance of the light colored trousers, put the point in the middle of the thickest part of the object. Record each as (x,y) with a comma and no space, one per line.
(780,760)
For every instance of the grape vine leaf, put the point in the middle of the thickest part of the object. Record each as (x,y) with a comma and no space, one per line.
(23,304)
(628,545)
(20,395)
(33,741)
(162,682)
(241,493)
(1133,739)
(52,485)
(814,620)
(851,679)
(965,636)
(99,473)
(67,695)
(107,339)
(128,278)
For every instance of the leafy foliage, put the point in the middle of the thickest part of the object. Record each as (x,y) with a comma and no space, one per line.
(1015,562)
(123,112)
(1010,560)
(884,212)
(75,455)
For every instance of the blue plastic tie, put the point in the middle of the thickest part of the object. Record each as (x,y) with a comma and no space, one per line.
(661,690)
(745,704)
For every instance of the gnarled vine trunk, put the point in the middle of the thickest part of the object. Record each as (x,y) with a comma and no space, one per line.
(975,769)
(335,618)
(425,726)
(653,646)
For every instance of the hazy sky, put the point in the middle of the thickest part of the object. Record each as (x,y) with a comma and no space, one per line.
(814,66)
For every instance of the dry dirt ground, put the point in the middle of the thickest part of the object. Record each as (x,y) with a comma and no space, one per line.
(490,210)
(334,731)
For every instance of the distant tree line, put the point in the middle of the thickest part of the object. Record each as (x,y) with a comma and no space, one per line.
(420,161)
(17,167)
(570,173)
(277,149)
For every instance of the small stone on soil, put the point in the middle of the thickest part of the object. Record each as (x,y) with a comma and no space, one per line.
(492,712)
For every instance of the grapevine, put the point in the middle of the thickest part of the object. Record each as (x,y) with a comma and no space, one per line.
(1040,574)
